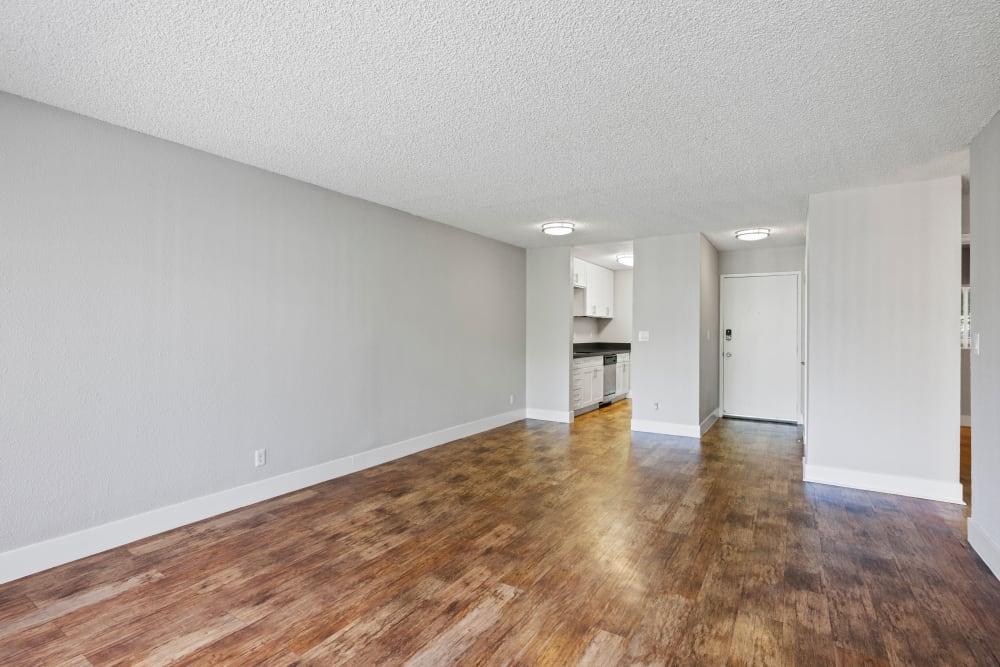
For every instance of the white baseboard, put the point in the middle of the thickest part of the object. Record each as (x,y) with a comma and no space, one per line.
(915,487)
(549,415)
(983,545)
(666,428)
(966,420)
(40,556)
(709,421)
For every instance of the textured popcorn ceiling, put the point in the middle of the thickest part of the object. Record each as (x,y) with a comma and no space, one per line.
(634,117)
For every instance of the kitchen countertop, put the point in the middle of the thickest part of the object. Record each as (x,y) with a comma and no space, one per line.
(582,350)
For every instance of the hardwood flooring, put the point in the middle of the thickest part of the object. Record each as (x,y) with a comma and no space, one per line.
(536,544)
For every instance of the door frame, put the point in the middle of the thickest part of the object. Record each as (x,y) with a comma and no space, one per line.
(799,342)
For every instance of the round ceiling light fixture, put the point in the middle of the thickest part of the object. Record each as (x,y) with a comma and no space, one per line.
(755,234)
(558,228)
(627,259)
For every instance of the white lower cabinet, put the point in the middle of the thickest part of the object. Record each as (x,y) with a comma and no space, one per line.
(588,381)
(597,384)
(622,375)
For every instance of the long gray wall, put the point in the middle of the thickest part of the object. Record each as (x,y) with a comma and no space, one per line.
(883,348)
(984,191)
(165,312)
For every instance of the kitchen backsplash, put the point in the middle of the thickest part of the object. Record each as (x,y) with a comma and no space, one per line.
(585,329)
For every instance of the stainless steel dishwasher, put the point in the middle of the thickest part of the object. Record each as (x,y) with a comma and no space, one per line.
(610,369)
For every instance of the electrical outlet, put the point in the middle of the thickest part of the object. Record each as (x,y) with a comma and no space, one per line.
(511,399)
(259,458)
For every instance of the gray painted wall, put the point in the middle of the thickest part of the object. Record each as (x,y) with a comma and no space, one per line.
(165,312)
(667,304)
(709,338)
(549,332)
(984,186)
(883,348)
(763,260)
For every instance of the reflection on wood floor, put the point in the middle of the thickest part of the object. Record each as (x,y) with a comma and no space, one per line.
(537,544)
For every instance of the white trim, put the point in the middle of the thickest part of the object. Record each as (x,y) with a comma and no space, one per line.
(709,421)
(984,546)
(549,415)
(40,556)
(666,428)
(966,420)
(931,489)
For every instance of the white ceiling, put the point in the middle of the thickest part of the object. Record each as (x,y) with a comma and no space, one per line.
(605,254)
(635,117)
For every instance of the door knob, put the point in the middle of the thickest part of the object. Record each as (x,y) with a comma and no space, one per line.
(728,354)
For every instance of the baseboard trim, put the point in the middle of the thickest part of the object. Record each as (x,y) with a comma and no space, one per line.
(33,558)
(666,428)
(398,450)
(709,421)
(984,546)
(914,487)
(549,415)
(966,420)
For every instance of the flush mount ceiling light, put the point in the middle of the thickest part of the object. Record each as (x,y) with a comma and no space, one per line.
(755,234)
(626,259)
(558,228)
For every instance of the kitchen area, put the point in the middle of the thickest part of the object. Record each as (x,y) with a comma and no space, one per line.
(602,326)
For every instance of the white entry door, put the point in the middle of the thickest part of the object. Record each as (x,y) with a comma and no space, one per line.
(761,369)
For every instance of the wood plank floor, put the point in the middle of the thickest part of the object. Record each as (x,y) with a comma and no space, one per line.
(536,544)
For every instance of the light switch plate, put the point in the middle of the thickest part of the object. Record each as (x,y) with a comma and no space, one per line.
(643,336)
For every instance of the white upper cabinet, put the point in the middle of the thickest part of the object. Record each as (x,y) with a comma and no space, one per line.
(600,291)
(579,272)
